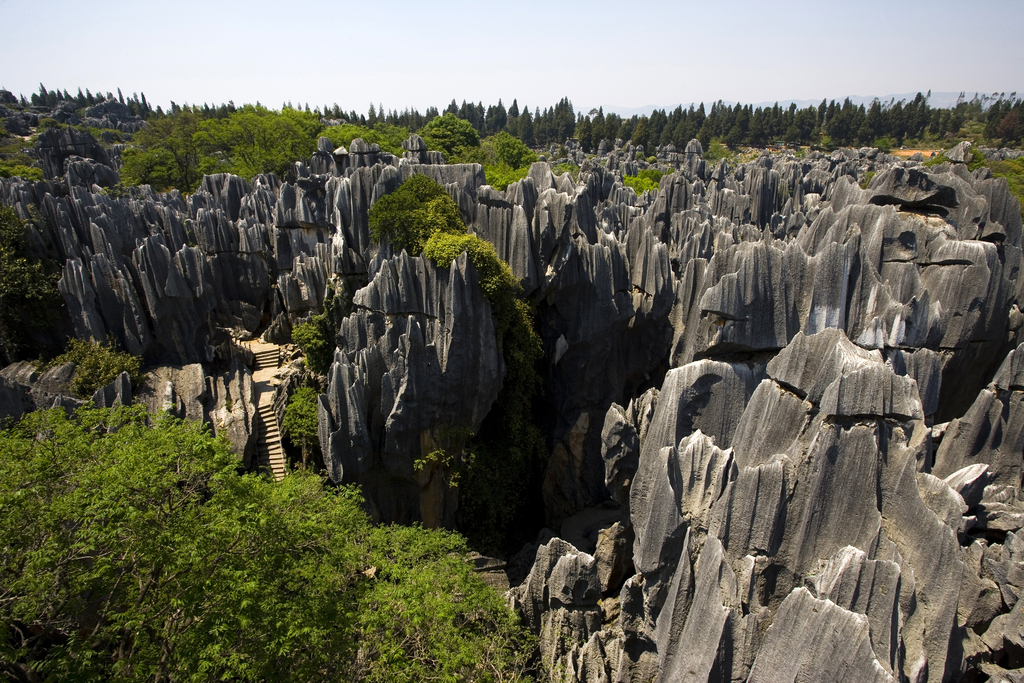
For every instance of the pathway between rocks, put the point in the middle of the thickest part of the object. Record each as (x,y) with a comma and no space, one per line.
(270,452)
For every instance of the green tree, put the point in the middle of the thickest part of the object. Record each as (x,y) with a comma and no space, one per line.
(316,339)
(641,133)
(407,217)
(131,550)
(301,420)
(254,140)
(500,176)
(165,154)
(585,134)
(29,298)
(389,137)
(507,160)
(510,449)
(511,151)
(451,135)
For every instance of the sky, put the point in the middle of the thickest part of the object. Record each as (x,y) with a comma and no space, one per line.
(407,53)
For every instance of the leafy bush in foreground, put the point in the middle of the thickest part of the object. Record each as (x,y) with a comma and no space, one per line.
(131,550)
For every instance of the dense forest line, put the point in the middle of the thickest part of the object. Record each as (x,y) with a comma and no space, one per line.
(175,148)
(828,124)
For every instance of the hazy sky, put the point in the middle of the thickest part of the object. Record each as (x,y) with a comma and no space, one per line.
(404,53)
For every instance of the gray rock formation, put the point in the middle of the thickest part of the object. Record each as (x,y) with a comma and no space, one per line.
(785,423)
(417,369)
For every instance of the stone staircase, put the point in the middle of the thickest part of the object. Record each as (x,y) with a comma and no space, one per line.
(270,452)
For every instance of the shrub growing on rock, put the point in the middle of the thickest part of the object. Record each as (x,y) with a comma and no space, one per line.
(411,214)
(97,365)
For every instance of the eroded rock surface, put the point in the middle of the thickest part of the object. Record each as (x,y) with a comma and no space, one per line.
(786,435)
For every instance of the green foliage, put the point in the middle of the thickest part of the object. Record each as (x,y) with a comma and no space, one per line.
(14,161)
(505,159)
(29,298)
(884,144)
(495,470)
(511,152)
(254,140)
(165,154)
(48,123)
(641,133)
(105,136)
(411,214)
(645,180)
(130,550)
(567,167)
(1013,171)
(316,339)
(10,169)
(97,365)
(500,176)
(301,420)
(715,151)
(497,281)
(451,135)
(176,150)
(867,180)
(510,447)
(978,160)
(448,454)
(389,137)
(429,617)
(117,190)
(510,452)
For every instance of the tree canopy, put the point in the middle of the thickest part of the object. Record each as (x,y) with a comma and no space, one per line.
(132,550)
(176,150)
(411,214)
(388,136)
(450,134)
(301,421)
